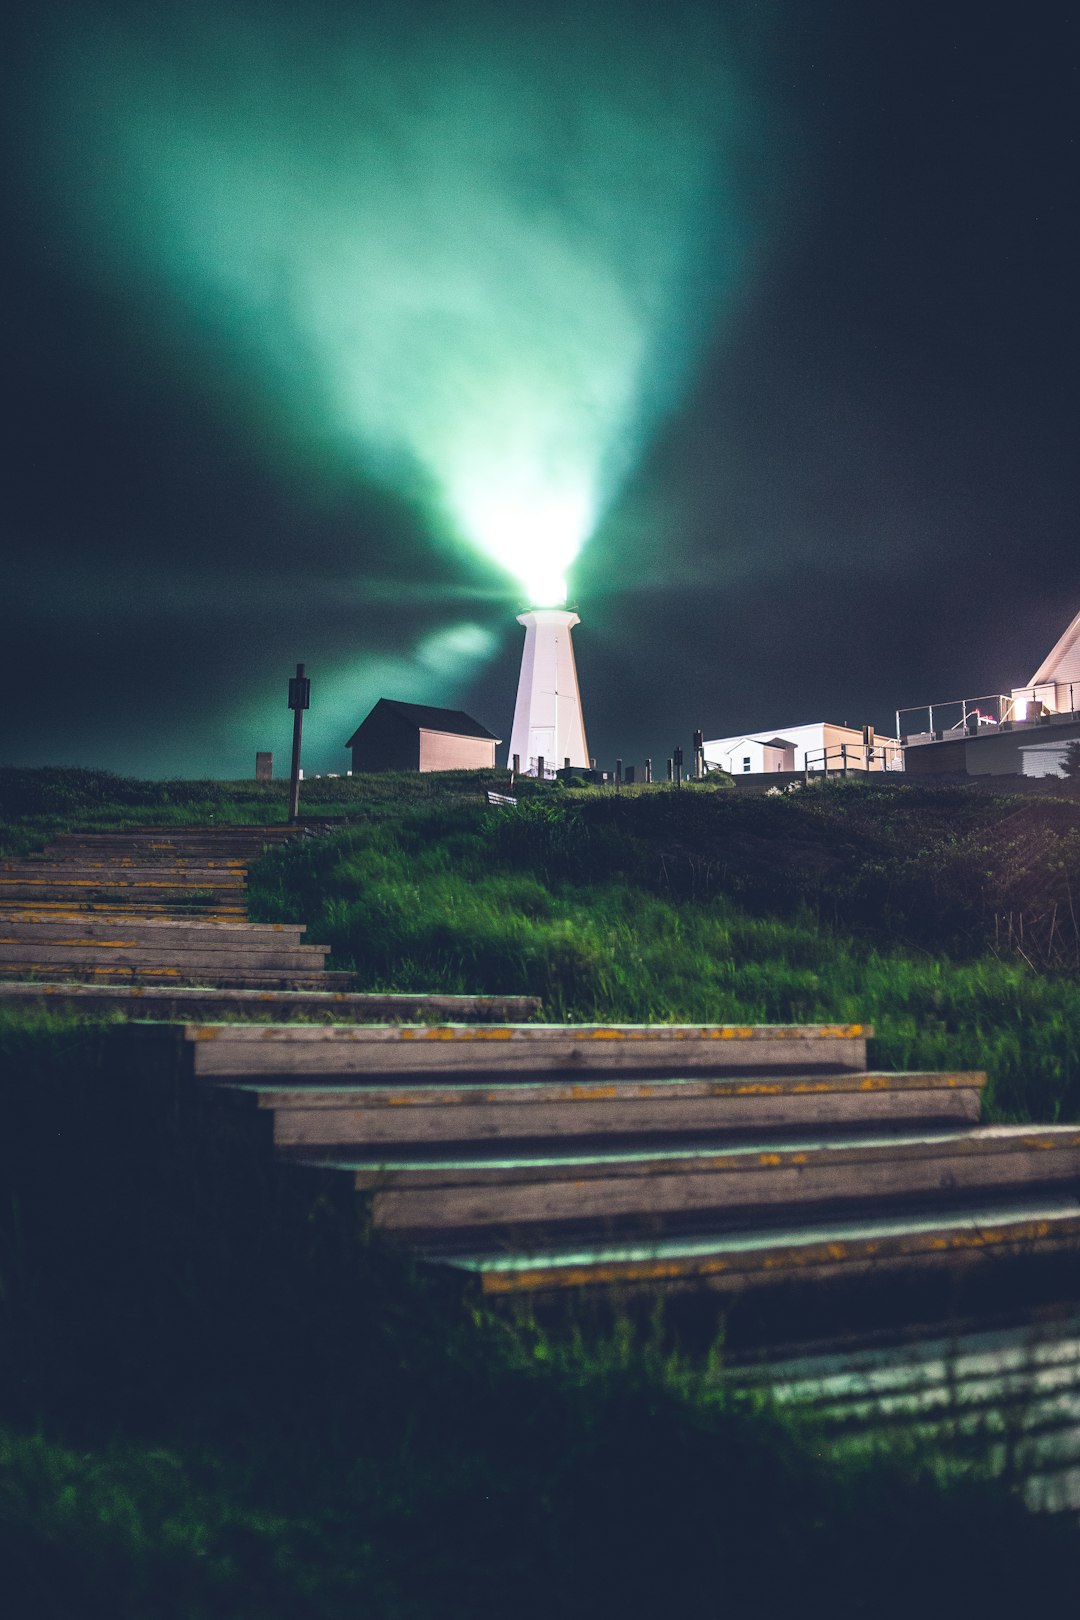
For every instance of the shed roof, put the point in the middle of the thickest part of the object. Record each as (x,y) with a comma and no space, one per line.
(425,717)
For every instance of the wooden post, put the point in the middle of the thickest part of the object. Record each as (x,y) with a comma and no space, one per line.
(648,770)
(299,700)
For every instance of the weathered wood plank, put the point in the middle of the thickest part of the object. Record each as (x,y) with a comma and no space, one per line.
(184,1002)
(527,1048)
(166,932)
(736,1262)
(52,975)
(524,1110)
(225,957)
(426,1199)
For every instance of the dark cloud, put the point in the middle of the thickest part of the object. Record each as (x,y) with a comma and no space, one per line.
(861,494)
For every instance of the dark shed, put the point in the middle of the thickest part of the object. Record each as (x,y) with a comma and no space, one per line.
(417,737)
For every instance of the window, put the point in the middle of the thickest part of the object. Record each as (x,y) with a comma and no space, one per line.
(746,762)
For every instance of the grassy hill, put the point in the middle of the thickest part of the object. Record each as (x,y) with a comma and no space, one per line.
(215,1402)
(945,918)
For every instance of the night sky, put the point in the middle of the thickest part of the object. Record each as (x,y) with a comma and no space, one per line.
(334,332)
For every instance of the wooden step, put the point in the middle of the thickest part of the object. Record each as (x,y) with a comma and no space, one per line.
(172,873)
(815,1251)
(167,891)
(314,1116)
(1007,1397)
(523,1049)
(706,1187)
(63,861)
(176,837)
(166,974)
(108,910)
(182,1003)
(228,956)
(166,932)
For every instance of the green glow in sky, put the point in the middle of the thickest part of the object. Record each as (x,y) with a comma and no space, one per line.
(480,256)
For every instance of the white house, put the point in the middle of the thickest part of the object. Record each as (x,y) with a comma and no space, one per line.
(751,755)
(1055,685)
(991,735)
(813,747)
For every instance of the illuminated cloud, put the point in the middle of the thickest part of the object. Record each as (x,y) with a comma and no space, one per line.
(480,256)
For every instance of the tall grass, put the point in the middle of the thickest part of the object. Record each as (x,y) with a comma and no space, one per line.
(586,911)
(39,803)
(223,1398)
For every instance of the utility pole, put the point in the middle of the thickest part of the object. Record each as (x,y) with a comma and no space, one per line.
(299,700)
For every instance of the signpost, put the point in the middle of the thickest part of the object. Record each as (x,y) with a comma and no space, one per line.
(299,700)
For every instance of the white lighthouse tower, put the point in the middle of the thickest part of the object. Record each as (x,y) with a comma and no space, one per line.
(548,724)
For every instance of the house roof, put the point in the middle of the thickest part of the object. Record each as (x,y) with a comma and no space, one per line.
(427,718)
(1050,667)
(760,742)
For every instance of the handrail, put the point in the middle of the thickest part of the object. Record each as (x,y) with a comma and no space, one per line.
(891,754)
(1008,706)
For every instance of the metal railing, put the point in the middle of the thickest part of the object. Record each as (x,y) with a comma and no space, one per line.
(870,757)
(990,711)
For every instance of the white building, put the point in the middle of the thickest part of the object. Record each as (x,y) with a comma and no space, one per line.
(814,747)
(750,755)
(991,735)
(1055,685)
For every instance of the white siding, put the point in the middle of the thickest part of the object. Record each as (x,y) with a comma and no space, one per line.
(810,739)
(444,751)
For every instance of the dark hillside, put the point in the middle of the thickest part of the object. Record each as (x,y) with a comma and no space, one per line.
(942,869)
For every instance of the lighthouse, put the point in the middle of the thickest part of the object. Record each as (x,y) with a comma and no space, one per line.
(548,723)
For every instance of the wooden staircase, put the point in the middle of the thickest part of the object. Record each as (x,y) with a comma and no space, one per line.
(540,1161)
(152,922)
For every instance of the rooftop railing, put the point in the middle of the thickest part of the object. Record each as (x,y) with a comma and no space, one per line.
(967,717)
(841,757)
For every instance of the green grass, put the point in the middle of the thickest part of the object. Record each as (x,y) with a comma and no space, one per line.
(40,803)
(595,1490)
(628,911)
(222,1397)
